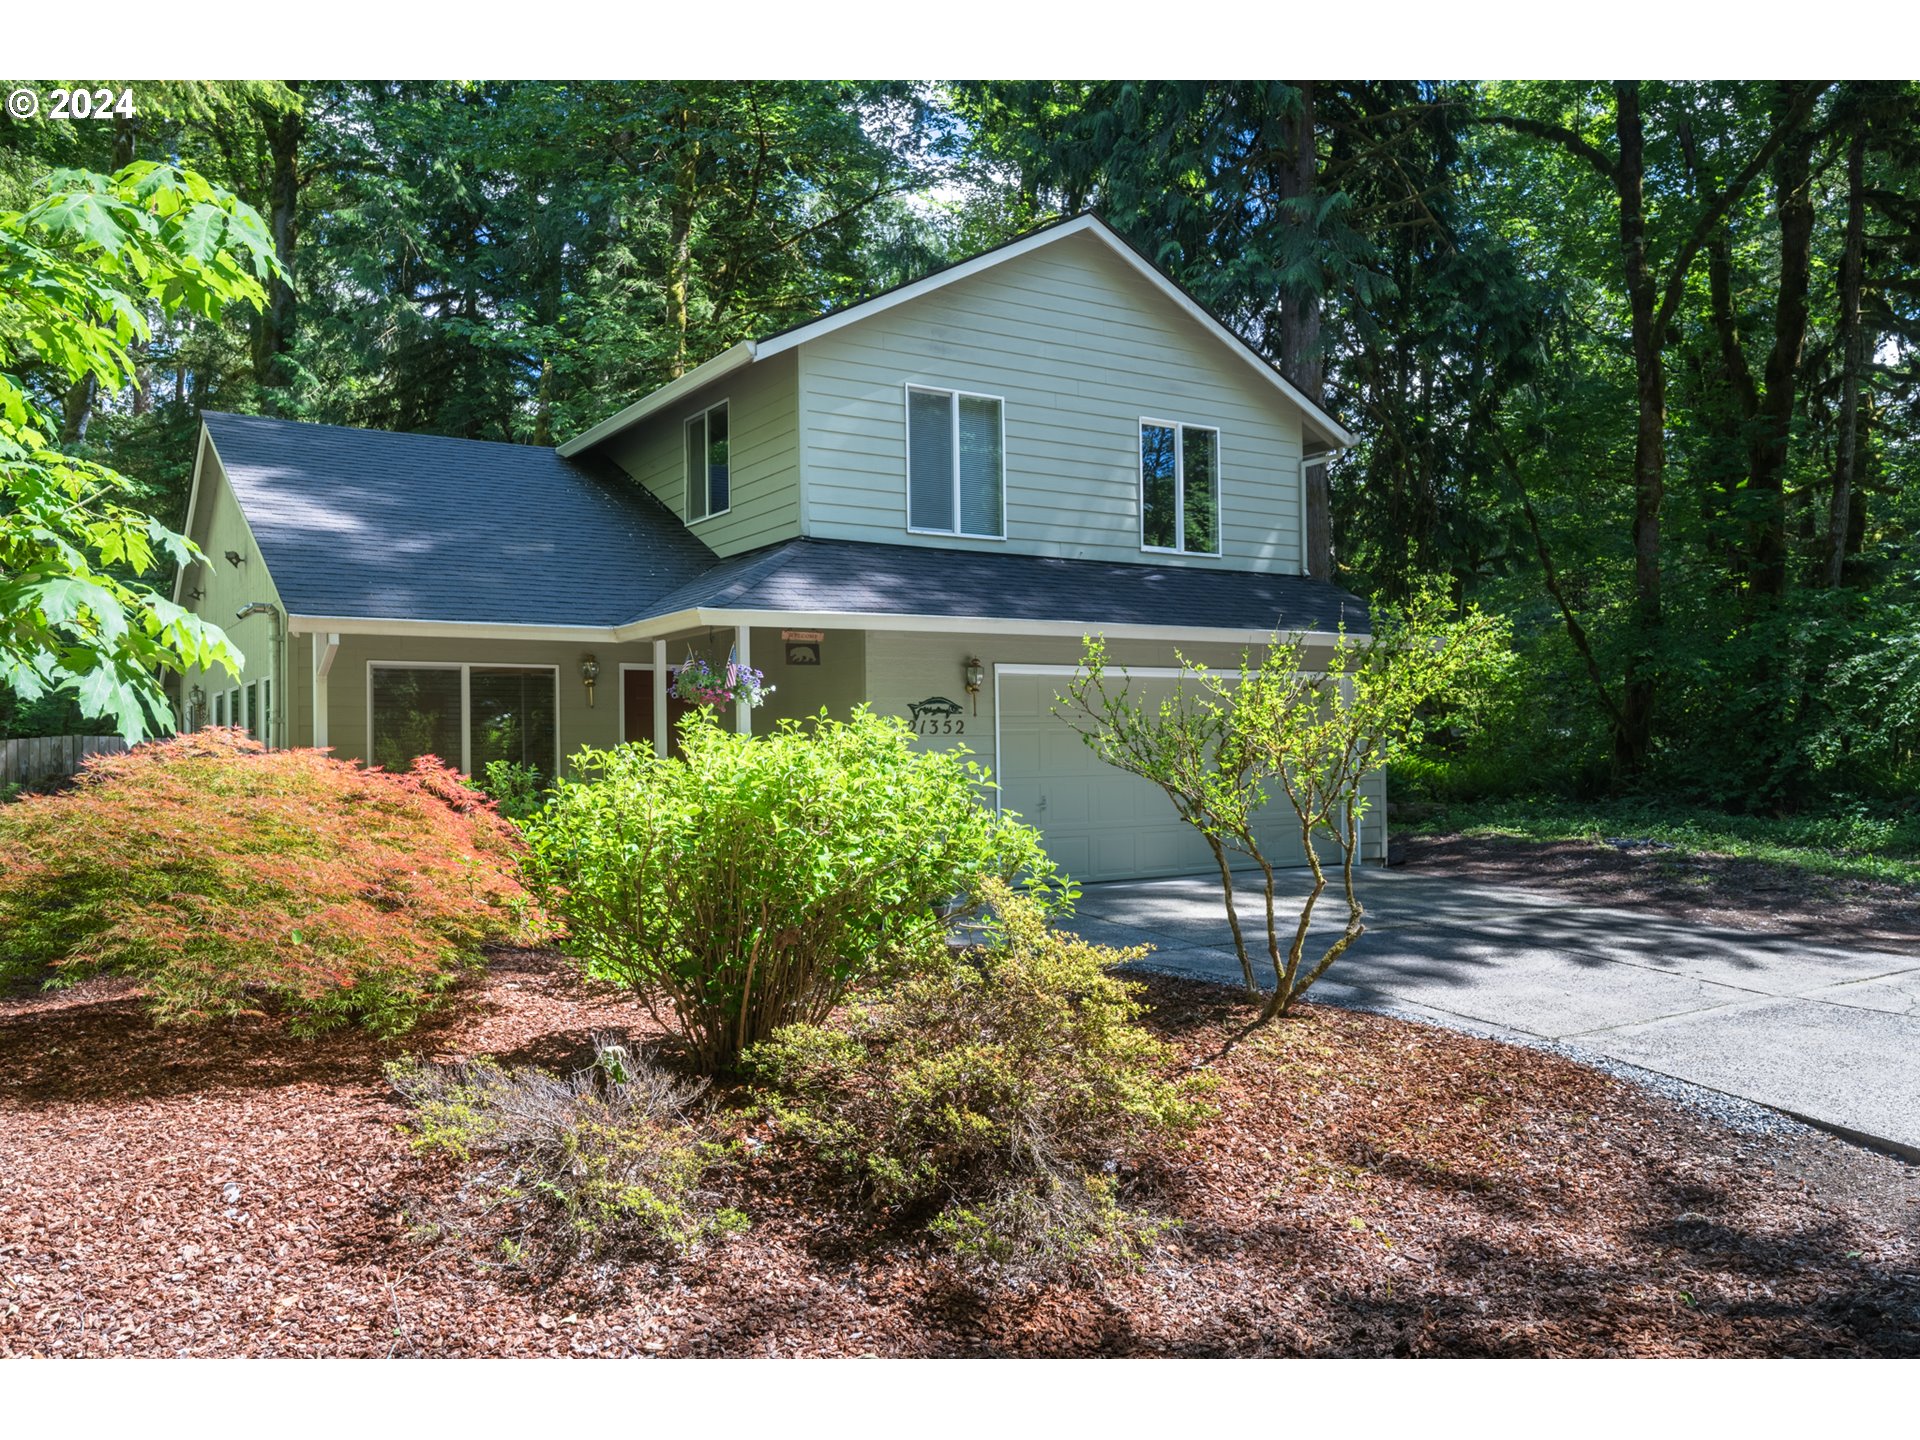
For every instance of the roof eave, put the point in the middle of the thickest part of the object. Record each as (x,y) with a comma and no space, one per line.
(723,364)
(748,351)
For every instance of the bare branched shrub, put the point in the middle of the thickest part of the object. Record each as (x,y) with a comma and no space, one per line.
(1299,729)
(610,1160)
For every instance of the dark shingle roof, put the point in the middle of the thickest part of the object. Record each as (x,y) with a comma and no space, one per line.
(369,523)
(376,525)
(850,577)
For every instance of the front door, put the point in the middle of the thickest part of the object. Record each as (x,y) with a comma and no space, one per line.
(638,688)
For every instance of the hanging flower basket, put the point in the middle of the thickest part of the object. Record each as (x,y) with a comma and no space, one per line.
(734,684)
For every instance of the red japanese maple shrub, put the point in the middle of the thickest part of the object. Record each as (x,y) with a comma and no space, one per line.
(228,879)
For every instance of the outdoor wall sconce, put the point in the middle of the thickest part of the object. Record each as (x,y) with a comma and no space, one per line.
(234,557)
(589,672)
(976,676)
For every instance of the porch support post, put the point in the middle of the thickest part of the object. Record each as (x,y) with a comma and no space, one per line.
(743,648)
(325,647)
(660,736)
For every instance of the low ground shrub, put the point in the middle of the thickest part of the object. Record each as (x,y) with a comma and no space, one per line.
(226,878)
(1005,1100)
(518,792)
(608,1161)
(749,881)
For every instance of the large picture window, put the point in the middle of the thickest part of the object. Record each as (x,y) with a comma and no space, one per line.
(956,464)
(467,715)
(707,490)
(1179,488)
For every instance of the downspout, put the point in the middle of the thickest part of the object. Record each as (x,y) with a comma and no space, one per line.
(276,669)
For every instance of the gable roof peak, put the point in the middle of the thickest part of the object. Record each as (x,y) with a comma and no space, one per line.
(748,352)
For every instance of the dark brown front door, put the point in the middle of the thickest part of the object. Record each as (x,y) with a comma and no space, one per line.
(638,685)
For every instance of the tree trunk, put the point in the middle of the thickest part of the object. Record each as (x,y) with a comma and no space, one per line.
(1853,359)
(680,241)
(77,410)
(1633,736)
(273,327)
(1301,359)
(1773,428)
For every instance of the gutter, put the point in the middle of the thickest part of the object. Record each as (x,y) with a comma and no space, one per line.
(657,627)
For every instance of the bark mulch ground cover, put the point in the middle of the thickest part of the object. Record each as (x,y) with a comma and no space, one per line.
(1371,1187)
(1723,890)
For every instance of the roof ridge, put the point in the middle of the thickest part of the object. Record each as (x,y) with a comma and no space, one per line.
(390,434)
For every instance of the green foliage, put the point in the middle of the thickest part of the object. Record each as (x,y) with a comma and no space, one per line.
(1861,840)
(1305,724)
(79,272)
(226,879)
(998,1098)
(611,1160)
(518,792)
(569,246)
(750,880)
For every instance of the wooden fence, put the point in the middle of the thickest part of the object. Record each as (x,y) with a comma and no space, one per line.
(37,759)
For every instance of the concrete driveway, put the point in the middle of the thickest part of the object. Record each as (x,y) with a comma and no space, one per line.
(1824,1031)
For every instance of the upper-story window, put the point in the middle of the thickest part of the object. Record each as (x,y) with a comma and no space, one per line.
(707,493)
(956,463)
(1179,488)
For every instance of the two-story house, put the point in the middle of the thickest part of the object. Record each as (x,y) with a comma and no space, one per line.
(923,501)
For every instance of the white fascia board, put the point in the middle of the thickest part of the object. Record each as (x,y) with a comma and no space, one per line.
(980,625)
(447,629)
(725,363)
(658,626)
(866,309)
(193,504)
(1327,427)
(749,351)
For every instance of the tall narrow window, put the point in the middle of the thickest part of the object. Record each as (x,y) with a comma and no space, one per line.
(512,715)
(416,711)
(263,720)
(252,709)
(220,709)
(1179,488)
(707,489)
(956,463)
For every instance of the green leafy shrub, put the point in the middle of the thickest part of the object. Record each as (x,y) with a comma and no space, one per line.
(749,881)
(518,792)
(224,878)
(606,1161)
(997,1098)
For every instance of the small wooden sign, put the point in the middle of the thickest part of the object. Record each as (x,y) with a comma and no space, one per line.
(801,651)
(805,637)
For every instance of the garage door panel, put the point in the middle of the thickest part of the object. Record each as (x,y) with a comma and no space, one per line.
(1099,822)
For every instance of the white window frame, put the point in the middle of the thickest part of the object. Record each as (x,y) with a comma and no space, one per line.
(466,669)
(706,478)
(1179,428)
(954,398)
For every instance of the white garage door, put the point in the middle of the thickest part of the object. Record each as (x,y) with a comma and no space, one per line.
(1099,823)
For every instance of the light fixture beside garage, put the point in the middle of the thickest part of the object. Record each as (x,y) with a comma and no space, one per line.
(976,676)
(589,672)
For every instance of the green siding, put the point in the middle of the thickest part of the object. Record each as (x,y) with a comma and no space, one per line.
(763,459)
(217,526)
(1081,347)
